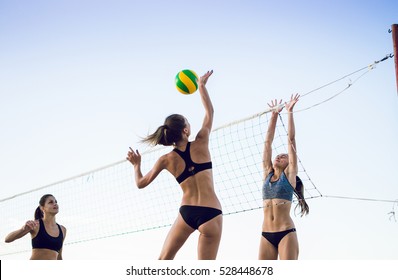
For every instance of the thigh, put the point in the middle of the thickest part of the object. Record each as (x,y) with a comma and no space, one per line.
(176,237)
(267,251)
(288,247)
(209,238)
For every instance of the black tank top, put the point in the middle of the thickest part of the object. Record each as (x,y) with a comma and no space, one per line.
(45,241)
(191,168)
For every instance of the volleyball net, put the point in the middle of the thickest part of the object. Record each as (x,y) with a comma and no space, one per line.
(106,202)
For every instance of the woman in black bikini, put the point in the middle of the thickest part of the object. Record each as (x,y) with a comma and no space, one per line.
(190,164)
(47,236)
(280,182)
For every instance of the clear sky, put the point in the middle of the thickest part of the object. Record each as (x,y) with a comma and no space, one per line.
(80,81)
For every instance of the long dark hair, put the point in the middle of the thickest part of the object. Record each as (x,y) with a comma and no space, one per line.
(38,213)
(299,192)
(169,133)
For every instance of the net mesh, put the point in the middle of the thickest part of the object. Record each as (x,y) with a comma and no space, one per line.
(105,202)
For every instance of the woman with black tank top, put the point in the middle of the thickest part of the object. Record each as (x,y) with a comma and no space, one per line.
(190,164)
(279,237)
(47,235)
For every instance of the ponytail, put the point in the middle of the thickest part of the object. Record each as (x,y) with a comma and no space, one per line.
(299,192)
(169,133)
(38,213)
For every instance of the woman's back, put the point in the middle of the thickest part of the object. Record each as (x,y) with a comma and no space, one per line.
(197,185)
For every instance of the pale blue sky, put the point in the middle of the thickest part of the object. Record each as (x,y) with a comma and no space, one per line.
(80,81)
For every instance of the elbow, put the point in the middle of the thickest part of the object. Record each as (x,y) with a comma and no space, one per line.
(210,114)
(141,185)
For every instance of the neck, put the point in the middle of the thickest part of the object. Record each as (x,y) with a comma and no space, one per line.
(277,172)
(49,219)
(181,143)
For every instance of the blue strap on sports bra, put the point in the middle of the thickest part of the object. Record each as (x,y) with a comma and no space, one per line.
(281,188)
(191,168)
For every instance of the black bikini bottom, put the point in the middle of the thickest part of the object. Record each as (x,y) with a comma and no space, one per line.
(195,216)
(275,237)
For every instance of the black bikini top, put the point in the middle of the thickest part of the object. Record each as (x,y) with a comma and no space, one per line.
(45,241)
(191,168)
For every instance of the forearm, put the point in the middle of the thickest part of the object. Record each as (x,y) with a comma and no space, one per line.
(291,127)
(209,113)
(267,153)
(138,175)
(206,101)
(16,235)
(271,128)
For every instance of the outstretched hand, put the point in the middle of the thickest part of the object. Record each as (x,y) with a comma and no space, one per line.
(133,156)
(275,106)
(293,100)
(203,80)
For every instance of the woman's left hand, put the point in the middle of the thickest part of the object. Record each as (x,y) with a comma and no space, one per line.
(293,100)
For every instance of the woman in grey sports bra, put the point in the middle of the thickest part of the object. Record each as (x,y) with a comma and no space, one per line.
(279,236)
(190,163)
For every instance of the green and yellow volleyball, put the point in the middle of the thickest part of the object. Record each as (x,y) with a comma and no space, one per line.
(186,81)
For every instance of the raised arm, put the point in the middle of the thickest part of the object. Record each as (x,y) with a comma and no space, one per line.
(29,226)
(269,137)
(292,168)
(142,181)
(209,110)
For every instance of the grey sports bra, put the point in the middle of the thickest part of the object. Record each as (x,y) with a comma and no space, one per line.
(279,189)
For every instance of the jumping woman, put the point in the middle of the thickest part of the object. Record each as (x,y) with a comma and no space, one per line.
(279,237)
(190,163)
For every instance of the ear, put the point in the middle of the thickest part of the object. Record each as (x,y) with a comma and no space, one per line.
(186,130)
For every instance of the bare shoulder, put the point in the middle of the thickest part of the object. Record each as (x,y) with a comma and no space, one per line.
(203,135)
(63,230)
(268,170)
(200,143)
(165,160)
(167,157)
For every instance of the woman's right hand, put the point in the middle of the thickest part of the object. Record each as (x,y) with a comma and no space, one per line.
(203,80)
(275,106)
(30,225)
(134,157)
